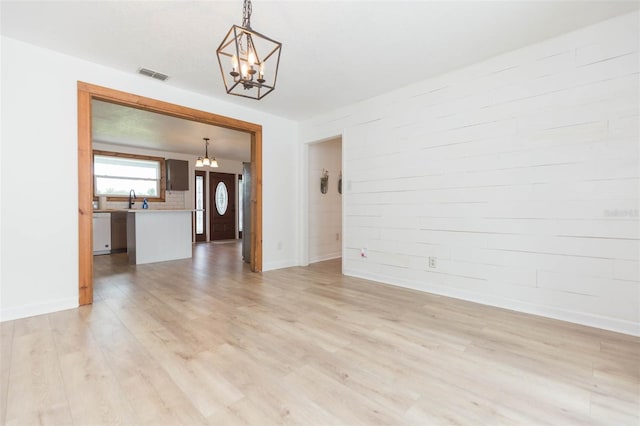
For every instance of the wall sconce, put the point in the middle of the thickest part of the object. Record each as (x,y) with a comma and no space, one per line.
(324,181)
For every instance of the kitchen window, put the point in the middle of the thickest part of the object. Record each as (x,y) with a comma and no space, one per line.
(116,174)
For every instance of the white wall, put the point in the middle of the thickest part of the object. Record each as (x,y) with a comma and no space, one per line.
(325,210)
(39,205)
(520,174)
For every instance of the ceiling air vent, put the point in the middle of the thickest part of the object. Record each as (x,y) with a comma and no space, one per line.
(153,74)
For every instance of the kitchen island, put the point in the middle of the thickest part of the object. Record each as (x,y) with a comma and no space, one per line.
(158,235)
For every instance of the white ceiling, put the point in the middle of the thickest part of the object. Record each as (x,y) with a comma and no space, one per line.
(120,125)
(334,53)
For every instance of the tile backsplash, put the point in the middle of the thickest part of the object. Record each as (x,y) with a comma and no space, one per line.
(174,200)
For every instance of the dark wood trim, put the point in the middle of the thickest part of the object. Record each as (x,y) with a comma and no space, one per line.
(163,174)
(86,93)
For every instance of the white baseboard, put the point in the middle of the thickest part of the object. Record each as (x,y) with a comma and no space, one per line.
(270,266)
(18,312)
(322,258)
(590,320)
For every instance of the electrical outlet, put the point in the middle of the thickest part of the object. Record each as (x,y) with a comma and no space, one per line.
(363,252)
(433,262)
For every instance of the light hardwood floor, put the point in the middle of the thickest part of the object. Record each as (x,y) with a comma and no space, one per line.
(205,341)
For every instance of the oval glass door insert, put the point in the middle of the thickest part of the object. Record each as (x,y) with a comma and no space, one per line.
(222,198)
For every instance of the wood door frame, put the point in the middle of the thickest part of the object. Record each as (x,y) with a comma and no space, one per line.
(86,93)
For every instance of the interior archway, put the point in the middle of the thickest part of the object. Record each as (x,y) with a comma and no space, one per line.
(86,93)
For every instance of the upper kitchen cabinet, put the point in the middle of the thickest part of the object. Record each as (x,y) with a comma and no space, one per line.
(177,175)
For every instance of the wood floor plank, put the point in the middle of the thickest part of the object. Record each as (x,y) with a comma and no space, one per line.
(340,401)
(6,347)
(268,399)
(205,341)
(208,391)
(36,393)
(89,381)
(150,390)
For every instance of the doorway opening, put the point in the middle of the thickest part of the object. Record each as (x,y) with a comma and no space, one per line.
(324,190)
(86,94)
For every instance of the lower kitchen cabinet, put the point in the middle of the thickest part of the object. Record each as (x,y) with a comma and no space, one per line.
(101,233)
(118,231)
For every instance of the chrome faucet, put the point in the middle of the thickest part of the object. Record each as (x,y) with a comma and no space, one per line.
(132,197)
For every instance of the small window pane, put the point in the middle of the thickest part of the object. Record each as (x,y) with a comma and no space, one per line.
(222,198)
(240,195)
(118,187)
(130,167)
(199,192)
(199,205)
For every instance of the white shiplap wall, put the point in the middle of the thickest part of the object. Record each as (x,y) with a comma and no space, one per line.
(520,174)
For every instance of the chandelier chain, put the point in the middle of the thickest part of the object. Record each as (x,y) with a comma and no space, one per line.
(246,14)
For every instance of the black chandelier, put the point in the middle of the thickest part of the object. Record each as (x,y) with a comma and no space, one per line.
(248,60)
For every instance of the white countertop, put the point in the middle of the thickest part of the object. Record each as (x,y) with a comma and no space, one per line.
(158,211)
(143,210)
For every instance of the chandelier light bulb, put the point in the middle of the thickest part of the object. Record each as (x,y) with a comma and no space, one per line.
(234,63)
(252,58)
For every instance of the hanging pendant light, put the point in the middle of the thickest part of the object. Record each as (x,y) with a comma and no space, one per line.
(206,161)
(248,60)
